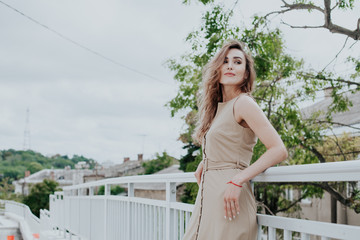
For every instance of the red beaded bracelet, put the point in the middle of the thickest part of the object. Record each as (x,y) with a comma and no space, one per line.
(234,183)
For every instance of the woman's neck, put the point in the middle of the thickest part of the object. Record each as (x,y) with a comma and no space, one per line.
(229,92)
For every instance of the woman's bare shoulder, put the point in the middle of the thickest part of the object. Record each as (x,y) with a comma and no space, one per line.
(245,100)
(246,105)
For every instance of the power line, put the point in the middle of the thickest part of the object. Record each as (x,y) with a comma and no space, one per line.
(82,46)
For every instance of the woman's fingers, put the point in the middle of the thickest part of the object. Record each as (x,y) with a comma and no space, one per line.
(231,209)
(228,210)
(237,207)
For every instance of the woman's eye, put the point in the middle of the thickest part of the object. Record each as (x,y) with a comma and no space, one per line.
(225,61)
(238,62)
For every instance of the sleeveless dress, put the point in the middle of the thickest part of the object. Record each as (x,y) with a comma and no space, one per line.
(227,150)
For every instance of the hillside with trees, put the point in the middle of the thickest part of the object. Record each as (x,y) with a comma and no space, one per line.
(14,163)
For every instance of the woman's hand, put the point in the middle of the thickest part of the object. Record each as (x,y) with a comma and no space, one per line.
(231,201)
(198,172)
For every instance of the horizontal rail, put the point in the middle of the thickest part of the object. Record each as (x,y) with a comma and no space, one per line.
(339,231)
(317,172)
(154,178)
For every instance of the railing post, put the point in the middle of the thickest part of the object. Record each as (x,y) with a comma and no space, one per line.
(287,235)
(170,197)
(259,232)
(107,193)
(79,193)
(129,210)
(91,191)
(305,236)
(65,213)
(272,233)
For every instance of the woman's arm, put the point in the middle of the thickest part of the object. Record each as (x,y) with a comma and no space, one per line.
(247,110)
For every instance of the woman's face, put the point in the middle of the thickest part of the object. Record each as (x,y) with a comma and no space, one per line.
(233,71)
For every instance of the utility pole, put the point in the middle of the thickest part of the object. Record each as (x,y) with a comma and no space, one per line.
(27,143)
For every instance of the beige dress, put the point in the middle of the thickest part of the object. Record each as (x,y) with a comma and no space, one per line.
(227,150)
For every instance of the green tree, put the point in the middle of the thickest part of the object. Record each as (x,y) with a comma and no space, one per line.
(13,172)
(160,162)
(34,167)
(6,191)
(282,85)
(39,195)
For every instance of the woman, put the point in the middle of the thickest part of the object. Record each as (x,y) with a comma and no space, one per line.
(229,124)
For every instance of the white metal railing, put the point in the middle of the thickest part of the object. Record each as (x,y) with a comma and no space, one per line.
(111,217)
(45,221)
(29,223)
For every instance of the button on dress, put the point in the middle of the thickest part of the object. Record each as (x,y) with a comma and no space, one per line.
(227,150)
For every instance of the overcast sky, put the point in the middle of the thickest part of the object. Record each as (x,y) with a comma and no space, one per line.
(83,104)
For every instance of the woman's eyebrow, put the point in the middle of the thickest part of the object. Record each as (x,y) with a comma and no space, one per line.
(233,57)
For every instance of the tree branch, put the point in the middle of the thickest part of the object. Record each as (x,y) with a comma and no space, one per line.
(327,13)
(328,24)
(337,154)
(329,79)
(336,56)
(302,6)
(264,205)
(333,193)
(315,151)
(278,12)
(338,145)
(336,123)
(337,4)
(292,26)
(291,205)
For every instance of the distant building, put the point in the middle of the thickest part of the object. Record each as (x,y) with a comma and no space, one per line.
(157,190)
(82,165)
(127,168)
(81,174)
(343,119)
(65,177)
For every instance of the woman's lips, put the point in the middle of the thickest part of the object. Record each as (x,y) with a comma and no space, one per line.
(229,74)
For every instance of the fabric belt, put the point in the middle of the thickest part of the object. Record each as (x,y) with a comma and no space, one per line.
(216,165)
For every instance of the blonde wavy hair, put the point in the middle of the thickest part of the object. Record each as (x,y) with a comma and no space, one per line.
(211,92)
